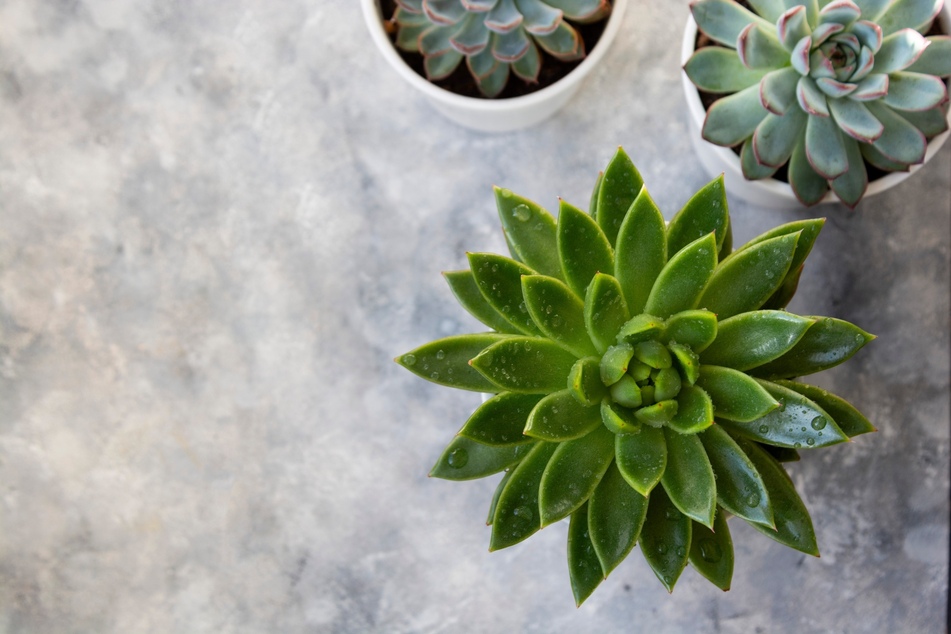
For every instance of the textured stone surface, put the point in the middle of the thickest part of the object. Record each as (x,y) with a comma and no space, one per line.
(221,220)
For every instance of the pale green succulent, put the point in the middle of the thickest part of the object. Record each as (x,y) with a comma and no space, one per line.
(643,380)
(493,36)
(823,86)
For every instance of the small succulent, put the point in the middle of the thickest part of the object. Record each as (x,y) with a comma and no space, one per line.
(494,36)
(642,379)
(823,86)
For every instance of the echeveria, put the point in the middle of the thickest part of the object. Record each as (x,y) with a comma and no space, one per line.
(643,380)
(823,86)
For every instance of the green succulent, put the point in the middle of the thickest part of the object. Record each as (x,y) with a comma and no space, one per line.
(494,36)
(823,87)
(626,354)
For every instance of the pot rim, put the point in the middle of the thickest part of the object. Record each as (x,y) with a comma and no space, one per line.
(772,186)
(374,21)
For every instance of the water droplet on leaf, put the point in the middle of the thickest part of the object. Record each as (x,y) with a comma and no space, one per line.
(458,458)
(818,423)
(710,551)
(409,359)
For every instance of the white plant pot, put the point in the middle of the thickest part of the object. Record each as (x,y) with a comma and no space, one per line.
(495,115)
(769,192)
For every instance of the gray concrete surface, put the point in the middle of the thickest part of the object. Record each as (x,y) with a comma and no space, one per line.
(221,220)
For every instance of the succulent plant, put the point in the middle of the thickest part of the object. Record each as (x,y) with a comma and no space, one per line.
(823,86)
(642,379)
(494,36)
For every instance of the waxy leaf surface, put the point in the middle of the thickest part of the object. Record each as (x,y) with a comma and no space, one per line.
(501,419)
(688,478)
(615,515)
(525,364)
(573,473)
(446,361)
(516,514)
(559,416)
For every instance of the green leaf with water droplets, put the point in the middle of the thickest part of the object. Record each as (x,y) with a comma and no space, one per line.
(466,459)
(850,420)
(605,311)
(711,551)
(557,312)
(736,396)
(559,417)
(530,231)
(501,419)
(826,344)
(446,361)
(464,287)
(683,279)
(583,248)
(573,473)
(657,414)
(808,231)
(516,515)
(705,212)
(500,281)
(618,419)
(665,538)
(585,383)
(641,328)
(694,328)
(619,188)
(495,496)
(740,489)
(749,340)
(584,569)
(615,515)
(745,280)
(642,458)
(688,478)
(727,247)
(652,353)
(780,454)
(694,411)
(593,202)
(525,364)
(784,294)
(687,361)
(793,524)
(797,423)
(641,251)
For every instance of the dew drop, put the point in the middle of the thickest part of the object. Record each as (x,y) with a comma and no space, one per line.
(523,513)
(434,376)
(662,549)
(441,355)
(810,441)
(671,514)
(798,445)
(763,429)
(818,423)
(458,458)
(710,550)
(680,551)
(409,359)
(753,500)
(522,212)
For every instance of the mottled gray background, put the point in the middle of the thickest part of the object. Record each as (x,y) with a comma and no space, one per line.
(221,220)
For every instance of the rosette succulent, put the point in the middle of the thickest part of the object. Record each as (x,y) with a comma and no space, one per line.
(642,380)
(493,36)
(823,87)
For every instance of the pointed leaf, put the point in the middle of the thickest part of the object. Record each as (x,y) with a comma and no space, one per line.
(740,489)
(749,340)
(642,458)
(659,413)
(688,478)
(793,525)
(706,211)
(808,232)
(758,48)
(723,20)
(711,551)
(446,361)
(557,312)
(501,419)
(585,383)
(441,65)
(530,231)
(687,361)
(931,122)
(564,43)
(877,159)
(653,353)
(495,496)
(529,65)
(616,513)
(619,420)
(694,411)
(582,247)
(824,147)
(752,169)
(641,251)
(777,90)
(826,344)
(466,459)
(500,282)
(525,364)
(694,328)
(846,417)
(915,92)
(899,51)
(776,137)
(855,120)
(747,278)
(683,280)
(811,99)
(605,311)
(641,328)
(584,569)
(808,186)
(733,119)
(736,396)
(665,538)
(573,474)
(914,14)
(620,187)
(493,84)
(851,186)
(936,58)
(540,17)
(516,514)
(559,417)
(464,287)
(718,70)
(901,141)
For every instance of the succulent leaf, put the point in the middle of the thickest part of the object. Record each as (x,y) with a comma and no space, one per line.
(740,489)
(585,381)
(694,411)
(665,538)
(851,186)
(736,396)
(495,496)
(750,339)
(718,70)
(915,14)
(620,187)
(711,551)
(732,119)
(642,458)
(539,17)
(501,419)
(706,211)
(753,170)
(605,310)
(573,473)
(825,149)
(466,459)
(494,83)
(775,137)
(683,279)
(930,122)
(582,246)
(915,92)
(464,287)
(846,417)
(826,344)
(688,478)
(808,186)
(899,51)
(559,417)
(616,513)
(696,329)
(563,43)
(500,281)
(777,90)
(516,514)
(528,66)
(446,361)
(759,48)
(558,313)
(584,568)
(641,251)
(936,57)
(724,20)
(531,231)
